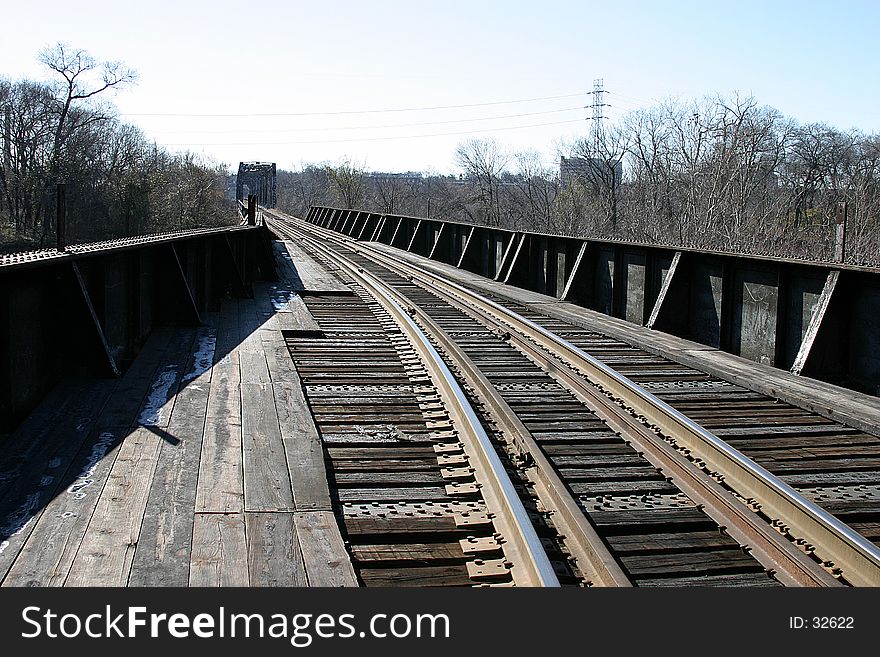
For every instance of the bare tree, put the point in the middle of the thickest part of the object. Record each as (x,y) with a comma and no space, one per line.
(537,188)
(347,181)
(483,161)
(388,191)
(603,170)
(82,78)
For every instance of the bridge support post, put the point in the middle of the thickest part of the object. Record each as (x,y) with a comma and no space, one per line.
(252,210)
(464,249)
(575,270)
(505,258)
(664,290)
(96,328)
(514,274)
(439,237)
(415,234)
(60,217)
(840,233)
(818,315)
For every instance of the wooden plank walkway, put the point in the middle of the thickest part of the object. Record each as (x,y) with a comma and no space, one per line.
(201,466)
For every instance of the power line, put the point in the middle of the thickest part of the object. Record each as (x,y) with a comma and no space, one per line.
(373,111)
(345,141)
(366,127)
(635,98)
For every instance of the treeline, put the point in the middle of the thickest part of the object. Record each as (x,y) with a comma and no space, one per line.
(117,182)
(722,173)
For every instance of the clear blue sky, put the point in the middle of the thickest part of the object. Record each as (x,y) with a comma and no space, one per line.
(814,61)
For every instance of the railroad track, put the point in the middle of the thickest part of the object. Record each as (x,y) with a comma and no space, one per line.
(622,488)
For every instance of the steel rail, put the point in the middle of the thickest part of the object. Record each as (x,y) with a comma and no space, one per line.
(580,537)
(839,545)
(587,548)
(790,565)
(530,564)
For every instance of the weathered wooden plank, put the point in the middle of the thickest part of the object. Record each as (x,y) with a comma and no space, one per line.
(410,494)
(162,556)
(313,275)
(36,463)
(219,550)
(125,405)
(202,358)
(302,448)
(627,543)
(816,318)
(159,402)
(384,465)
(280,364)
(33,436)
(714,561)
(284,264)
(726,580)
(600,473)
(597,488)
(262,300)
(249,324)
(426,454)
(228,336)
(681,519)
(326,560)
(392,478)
(274,554)
(105,555)
(402,524)
(426,576)
(407,552)
(254,368)
(266,479)
(46,556)
(220,486)
(302,318)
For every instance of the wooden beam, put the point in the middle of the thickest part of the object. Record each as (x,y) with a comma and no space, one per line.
(95,323)
(516,257)
(569,283)
(360,233)
(396,230)
(505,256)
(815,322)
(664,290)
(379,225)
(467,244)
(349,220)
(414,235)
(436,241)
(325,558)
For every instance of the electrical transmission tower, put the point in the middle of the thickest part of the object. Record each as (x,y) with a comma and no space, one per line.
(598,103)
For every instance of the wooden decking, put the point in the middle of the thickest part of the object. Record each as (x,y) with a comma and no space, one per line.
(199,467)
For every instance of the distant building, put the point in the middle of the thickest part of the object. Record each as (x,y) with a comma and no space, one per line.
(408,177)
(589,169)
